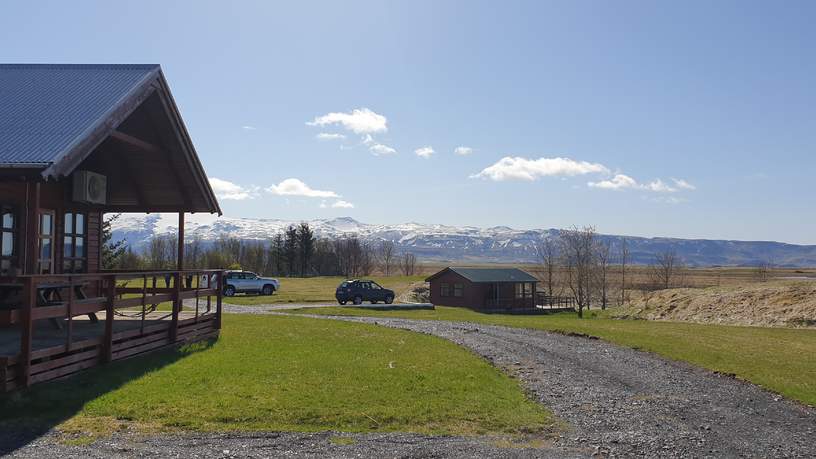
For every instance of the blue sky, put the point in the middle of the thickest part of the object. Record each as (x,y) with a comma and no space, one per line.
(687,119)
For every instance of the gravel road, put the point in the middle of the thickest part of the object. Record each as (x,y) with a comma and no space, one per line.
(613,401)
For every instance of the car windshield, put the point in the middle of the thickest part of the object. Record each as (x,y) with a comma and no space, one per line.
(375,286)
(344,285)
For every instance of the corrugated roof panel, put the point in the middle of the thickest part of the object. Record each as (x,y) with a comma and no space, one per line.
(494,274)
(46,108)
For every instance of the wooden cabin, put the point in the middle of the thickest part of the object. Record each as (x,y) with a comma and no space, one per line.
(76,142)
(484,289)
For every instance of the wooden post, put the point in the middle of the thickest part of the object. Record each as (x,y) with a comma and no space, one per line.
(32,228)
(27,332)
(180,260)
(218,296)
(108,341)
(176,307)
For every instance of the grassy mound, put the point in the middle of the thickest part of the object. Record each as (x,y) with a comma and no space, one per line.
(768,304)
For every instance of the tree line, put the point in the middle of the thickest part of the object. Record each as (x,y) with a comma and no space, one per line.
(580,264)
(294,252)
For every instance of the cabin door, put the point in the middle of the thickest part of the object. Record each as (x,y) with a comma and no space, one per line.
(45,255)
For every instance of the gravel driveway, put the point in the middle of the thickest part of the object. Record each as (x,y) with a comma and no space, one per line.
(632,403)
(614,401)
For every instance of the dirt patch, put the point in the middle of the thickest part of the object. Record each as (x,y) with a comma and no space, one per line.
(417,292)
(766,304)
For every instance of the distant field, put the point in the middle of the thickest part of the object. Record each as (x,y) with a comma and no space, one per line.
(269,373)
(779,359)
(318,289)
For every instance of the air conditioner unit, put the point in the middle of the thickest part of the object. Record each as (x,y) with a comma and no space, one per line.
(90,187)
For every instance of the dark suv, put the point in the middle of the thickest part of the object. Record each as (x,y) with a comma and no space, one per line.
(358,291)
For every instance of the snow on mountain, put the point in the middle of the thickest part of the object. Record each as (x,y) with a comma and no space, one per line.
(452,243)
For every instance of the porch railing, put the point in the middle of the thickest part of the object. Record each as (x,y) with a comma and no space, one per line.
(133,295)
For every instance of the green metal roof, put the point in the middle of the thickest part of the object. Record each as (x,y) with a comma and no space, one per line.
(489,274)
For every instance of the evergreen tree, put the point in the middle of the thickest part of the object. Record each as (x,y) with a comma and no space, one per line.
(290,248)
(112,252)
(306,244)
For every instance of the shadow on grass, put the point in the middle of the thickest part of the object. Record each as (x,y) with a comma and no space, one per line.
(28,414)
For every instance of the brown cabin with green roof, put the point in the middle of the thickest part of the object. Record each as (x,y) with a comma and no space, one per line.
(484,288)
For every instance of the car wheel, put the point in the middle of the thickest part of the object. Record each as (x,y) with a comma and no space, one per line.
(229,290)
(342,302)
(358,299)
(268,290)
(389,299)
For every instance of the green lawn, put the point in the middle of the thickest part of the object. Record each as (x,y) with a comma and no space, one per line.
(317,289)
(271,373)
(782,360)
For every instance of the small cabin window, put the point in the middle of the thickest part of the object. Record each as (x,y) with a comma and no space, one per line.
(445,289)
(8,239)
(74,251)
(458,290)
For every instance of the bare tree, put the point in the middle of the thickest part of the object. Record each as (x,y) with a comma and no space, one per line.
(547,252)
(579,261)
(603,252)
(624,261)
(408,264)
(666,267)
(386,254)
(763,270)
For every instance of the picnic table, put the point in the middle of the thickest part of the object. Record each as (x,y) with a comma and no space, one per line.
(49,294)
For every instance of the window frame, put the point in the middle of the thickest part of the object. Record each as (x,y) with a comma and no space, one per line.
(14,232)
(458,289)
(444,289)
(70,263)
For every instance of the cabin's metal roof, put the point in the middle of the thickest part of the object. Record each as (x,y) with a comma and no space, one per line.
(490,274)
(47,109)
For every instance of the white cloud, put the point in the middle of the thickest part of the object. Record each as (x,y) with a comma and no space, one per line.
(248,128)
(621,181)
(340,204)
(329,136)
(224,189)
(683,185)
(295,187)
(424,152)
(379,149)
(617,182)
(463,151)
(359,121)
(517,168)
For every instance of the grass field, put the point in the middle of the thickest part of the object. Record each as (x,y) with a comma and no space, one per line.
(290,374)
(779,359)
(318,289)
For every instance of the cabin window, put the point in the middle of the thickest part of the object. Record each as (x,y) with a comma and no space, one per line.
(524,290)
(45,257)
(8,239)
(458,289)
(445,289)
(74,252)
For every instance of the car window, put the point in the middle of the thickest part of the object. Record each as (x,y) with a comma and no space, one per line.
(250,276)
(375,286)
(344,285)
(365,285)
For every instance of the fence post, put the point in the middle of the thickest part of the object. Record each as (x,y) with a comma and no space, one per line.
(27,332)
(111,296)
(176,307)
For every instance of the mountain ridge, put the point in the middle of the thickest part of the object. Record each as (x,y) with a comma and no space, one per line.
(462,243)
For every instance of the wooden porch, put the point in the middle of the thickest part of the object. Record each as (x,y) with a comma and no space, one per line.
(44,337)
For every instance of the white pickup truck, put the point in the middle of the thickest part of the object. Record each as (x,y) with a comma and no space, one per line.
(248,282)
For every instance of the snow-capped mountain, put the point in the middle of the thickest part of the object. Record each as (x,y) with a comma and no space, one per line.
(454,243)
